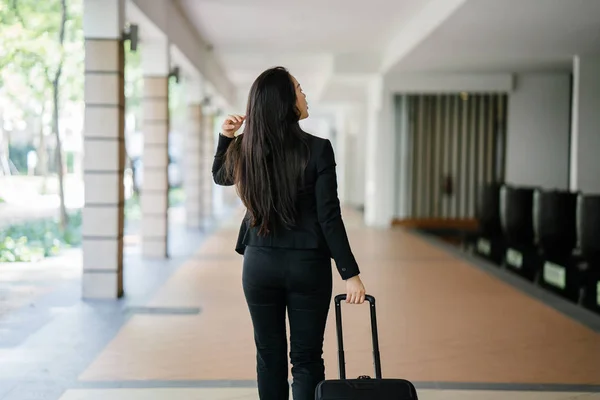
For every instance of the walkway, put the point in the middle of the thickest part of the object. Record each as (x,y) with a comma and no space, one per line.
(457,329)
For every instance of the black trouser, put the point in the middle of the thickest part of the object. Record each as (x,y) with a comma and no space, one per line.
(301,281)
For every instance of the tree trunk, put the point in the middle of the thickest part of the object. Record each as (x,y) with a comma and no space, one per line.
(3,145)
(59,157)
(42,153)
(55,124)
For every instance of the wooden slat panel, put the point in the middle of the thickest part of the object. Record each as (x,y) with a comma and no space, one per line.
(436,157)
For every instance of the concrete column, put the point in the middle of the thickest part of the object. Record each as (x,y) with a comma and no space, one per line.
(361,160)
(341,155)
(155,188)
(356,158)
(104,150)
(208,154)
(350,157)
(194,175)
(380,156)
(585,125)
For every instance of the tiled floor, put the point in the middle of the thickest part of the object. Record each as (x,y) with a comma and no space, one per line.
(440,320)
(250,394)
(22,283)
(451,327)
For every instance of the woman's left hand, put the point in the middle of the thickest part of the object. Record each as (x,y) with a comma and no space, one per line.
(231,124)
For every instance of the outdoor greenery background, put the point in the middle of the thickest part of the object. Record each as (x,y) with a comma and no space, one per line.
(41,82)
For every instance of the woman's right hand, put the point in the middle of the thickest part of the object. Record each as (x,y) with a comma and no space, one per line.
(355,290)
(231,125)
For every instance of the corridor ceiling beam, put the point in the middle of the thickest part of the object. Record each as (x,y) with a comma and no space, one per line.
(168,17)
(417,28)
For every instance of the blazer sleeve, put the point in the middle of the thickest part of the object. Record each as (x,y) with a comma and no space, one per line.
(219,173)
(330,215)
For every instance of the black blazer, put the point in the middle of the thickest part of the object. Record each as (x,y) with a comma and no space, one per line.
(319,222)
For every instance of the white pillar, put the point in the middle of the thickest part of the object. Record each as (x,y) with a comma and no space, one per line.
(585,128)
(155,187)
(380,156)
(354,158)
(341,155)
(403,158)
(359,134)
(208,154)
(104,149)
(193,160)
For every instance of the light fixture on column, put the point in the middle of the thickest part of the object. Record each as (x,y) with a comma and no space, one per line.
(131,34)
(174,74)
(207,105)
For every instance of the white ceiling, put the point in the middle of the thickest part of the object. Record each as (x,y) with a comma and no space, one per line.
(250,36)
(333,47)
(313,26)
(510,36)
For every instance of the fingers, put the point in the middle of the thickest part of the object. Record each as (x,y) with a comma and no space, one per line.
(355,291)
(357,297)
(235,119)
(232,123)
(351,297)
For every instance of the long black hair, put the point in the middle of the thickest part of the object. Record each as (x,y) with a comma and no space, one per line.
(268,160)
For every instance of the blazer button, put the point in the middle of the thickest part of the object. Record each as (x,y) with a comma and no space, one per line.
(343,269)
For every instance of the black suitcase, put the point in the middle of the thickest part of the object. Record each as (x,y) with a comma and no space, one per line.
(364,387)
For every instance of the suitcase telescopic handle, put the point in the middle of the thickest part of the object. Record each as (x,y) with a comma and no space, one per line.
(338,324)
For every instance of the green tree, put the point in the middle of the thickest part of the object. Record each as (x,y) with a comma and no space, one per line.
(41,63)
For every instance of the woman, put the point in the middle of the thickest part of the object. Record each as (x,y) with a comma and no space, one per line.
(293,227)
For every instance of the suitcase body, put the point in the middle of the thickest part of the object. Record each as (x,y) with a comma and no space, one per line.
(371,389)
(364,387)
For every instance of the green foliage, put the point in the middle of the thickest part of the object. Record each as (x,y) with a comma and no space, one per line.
(41,63)
(134,82)
(72,234)
(30,55)
(70,161)
(30,52)
(133,208)
(18,155)
(176,197)
(35,240)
